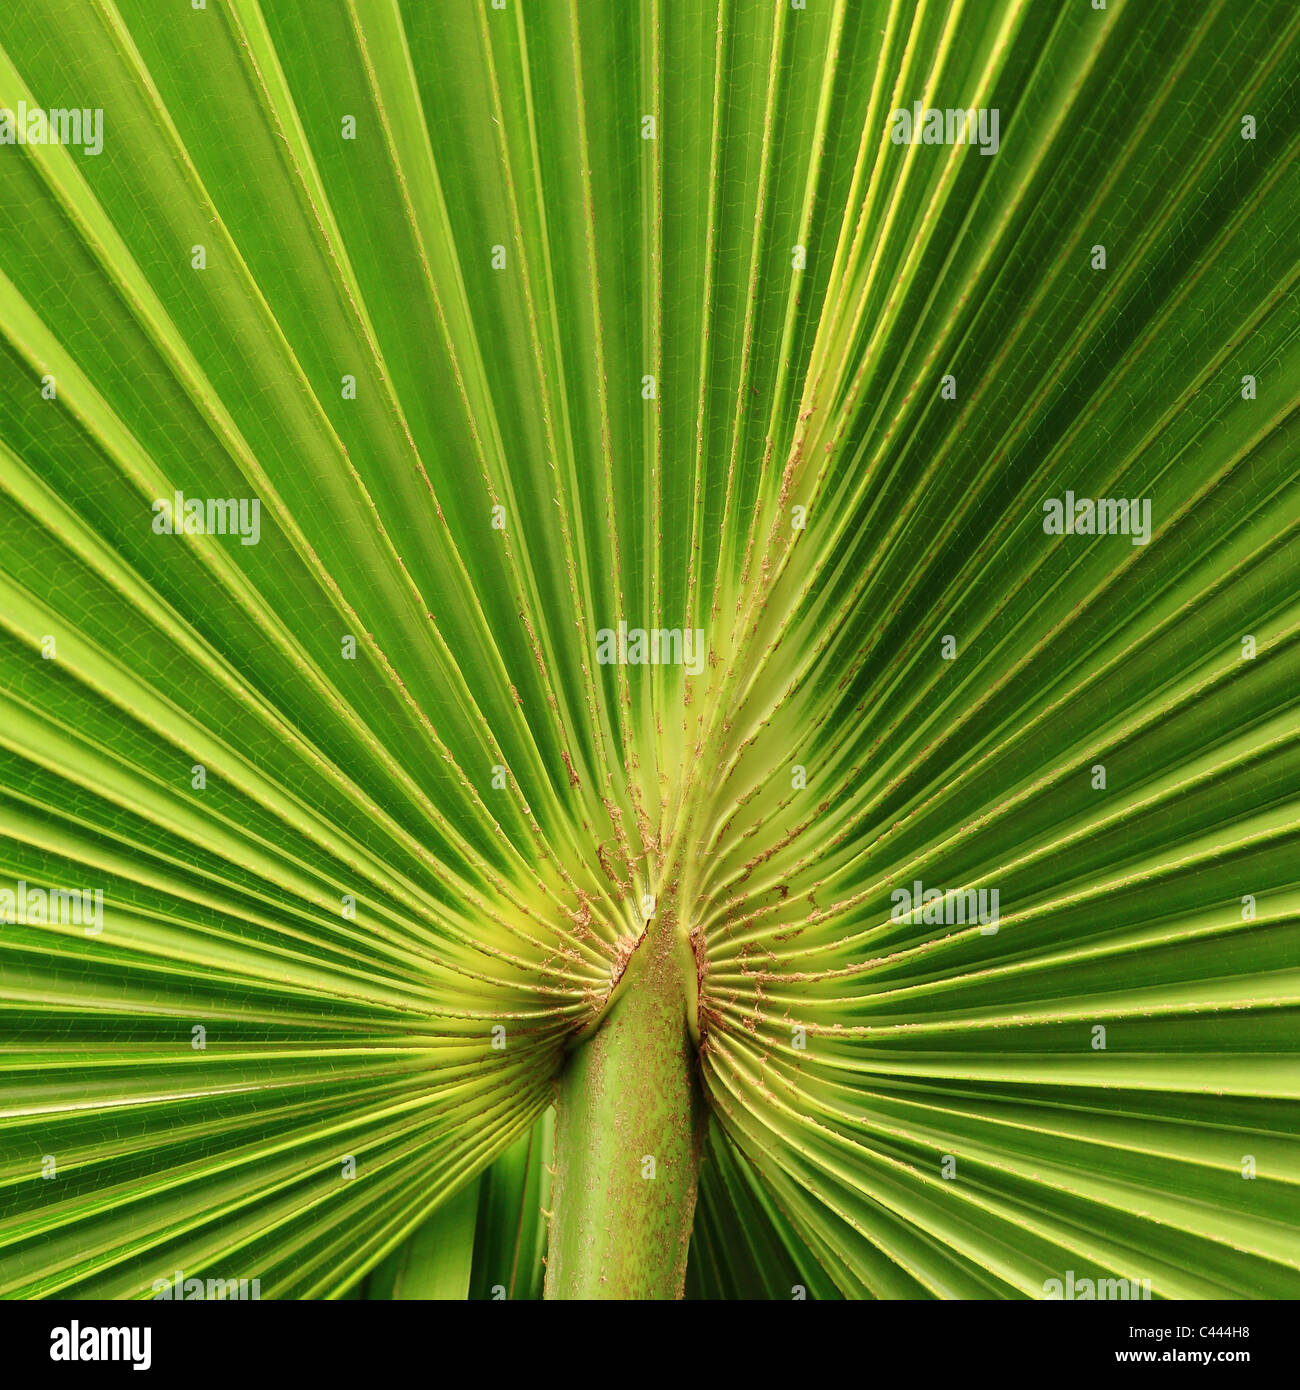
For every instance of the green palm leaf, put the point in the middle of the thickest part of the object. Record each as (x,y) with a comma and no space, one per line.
(523,321)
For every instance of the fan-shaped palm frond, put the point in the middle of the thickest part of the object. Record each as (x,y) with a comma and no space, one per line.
(730,564)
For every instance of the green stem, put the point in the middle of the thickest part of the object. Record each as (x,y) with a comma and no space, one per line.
(627,1136)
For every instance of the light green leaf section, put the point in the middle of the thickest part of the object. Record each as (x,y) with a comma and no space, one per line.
(488,1241)
(510,1239)
(504,365)
(435,1263)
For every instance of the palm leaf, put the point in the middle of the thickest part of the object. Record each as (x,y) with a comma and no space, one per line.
(504,364)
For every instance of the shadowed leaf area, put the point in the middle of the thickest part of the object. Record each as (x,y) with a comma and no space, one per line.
(509,507)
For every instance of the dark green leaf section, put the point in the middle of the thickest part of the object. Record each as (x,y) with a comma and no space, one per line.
(743,1247)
